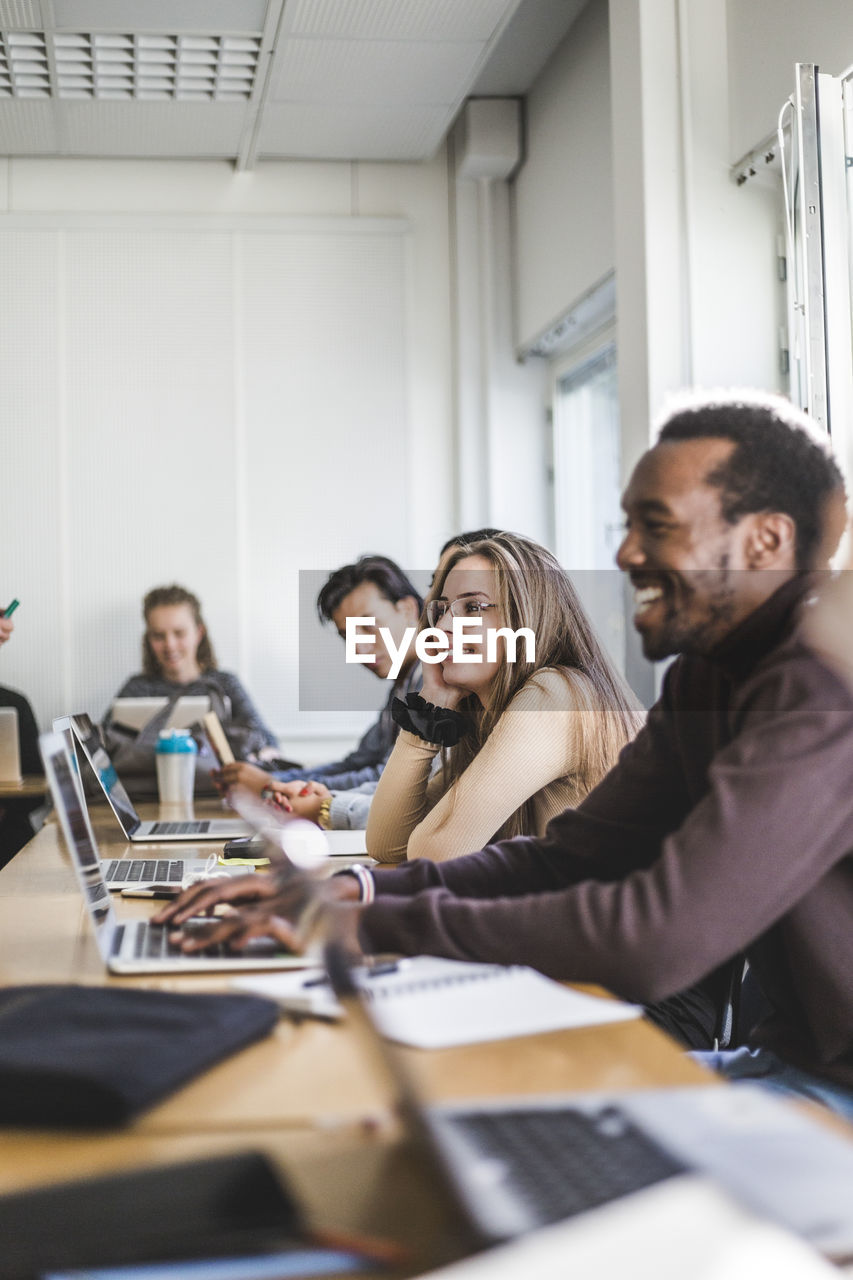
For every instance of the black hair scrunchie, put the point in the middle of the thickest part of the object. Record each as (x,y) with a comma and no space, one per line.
(432,724)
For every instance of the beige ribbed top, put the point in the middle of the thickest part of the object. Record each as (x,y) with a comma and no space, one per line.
(537,748)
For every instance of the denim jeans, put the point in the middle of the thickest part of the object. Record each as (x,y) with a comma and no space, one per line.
(763,1066)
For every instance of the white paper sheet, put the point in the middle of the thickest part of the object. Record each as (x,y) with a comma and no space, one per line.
(434,1004)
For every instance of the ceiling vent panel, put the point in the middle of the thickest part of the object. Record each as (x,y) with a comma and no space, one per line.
(114,66)
(24,71)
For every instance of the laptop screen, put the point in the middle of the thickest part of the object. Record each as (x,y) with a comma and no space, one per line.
(78,835)
(10,752)
(90,740)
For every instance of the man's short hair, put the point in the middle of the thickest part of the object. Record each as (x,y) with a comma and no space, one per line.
(386,576)
(469,538)
(779,462)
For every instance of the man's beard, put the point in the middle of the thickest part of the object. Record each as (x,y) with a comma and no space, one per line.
(694,622)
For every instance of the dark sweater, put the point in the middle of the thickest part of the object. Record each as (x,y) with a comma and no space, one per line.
(28,734)
(367,761)
(726,826)
(15,826)
(133,753)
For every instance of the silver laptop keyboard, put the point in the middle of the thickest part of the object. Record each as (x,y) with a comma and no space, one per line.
(151,942)
(142,870)
(178,828)
(563,1162)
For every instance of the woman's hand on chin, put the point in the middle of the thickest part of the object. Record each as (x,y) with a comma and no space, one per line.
(436,690)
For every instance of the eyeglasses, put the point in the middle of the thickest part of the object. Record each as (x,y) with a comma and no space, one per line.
(461,607)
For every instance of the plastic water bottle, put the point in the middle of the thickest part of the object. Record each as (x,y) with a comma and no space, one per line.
(176,753)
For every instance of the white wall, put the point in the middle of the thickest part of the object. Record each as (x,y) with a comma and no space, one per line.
(525,250)
(563,192)
(627,166)
(698,303)
(631,129)
(765,39)
(192,472)
(736,303)
(501,424)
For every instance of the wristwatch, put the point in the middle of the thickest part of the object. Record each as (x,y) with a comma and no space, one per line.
(366,883)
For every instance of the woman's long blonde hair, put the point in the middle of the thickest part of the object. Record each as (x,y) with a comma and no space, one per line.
(535,591)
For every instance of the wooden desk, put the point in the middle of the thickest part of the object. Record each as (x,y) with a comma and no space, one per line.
(304,1094)
(31,786)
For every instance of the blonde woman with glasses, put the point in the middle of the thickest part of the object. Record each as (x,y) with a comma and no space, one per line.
(493,748)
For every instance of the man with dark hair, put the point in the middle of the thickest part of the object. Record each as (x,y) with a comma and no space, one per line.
(333,805)
(462,541)
(386,576)
(373,587)
(468,539)
(772,467)
(726,828)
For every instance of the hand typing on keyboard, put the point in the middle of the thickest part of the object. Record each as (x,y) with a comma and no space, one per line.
(284,905)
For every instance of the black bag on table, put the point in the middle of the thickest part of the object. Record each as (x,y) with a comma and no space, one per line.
(73,1056)
(224,1206)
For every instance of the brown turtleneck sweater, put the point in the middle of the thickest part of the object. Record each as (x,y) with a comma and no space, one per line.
(726,826)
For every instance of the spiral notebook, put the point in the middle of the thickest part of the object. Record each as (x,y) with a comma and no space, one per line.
(431,1003)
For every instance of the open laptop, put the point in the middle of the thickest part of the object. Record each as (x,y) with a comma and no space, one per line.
(142,872)
(511,1165)
(136,713)
(134,946)
(87,737)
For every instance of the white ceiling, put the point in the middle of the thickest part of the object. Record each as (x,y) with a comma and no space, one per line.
(258,79)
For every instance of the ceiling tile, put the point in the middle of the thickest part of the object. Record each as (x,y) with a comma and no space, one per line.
(150,129)
(397,19)
(27,128)
(20,13)
(159,15)
(352,132)
(527,42)
(337,71)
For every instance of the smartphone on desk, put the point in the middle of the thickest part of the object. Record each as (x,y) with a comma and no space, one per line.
(152,891)
(250,850)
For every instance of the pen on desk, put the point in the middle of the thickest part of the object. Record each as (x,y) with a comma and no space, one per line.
(371,971)
(151,891)
(10,609)
(387,1252)
(380,970)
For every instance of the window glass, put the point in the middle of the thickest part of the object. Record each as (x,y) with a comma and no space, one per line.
(587,490)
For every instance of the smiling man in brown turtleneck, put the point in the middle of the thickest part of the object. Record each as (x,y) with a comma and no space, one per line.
(727,825)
